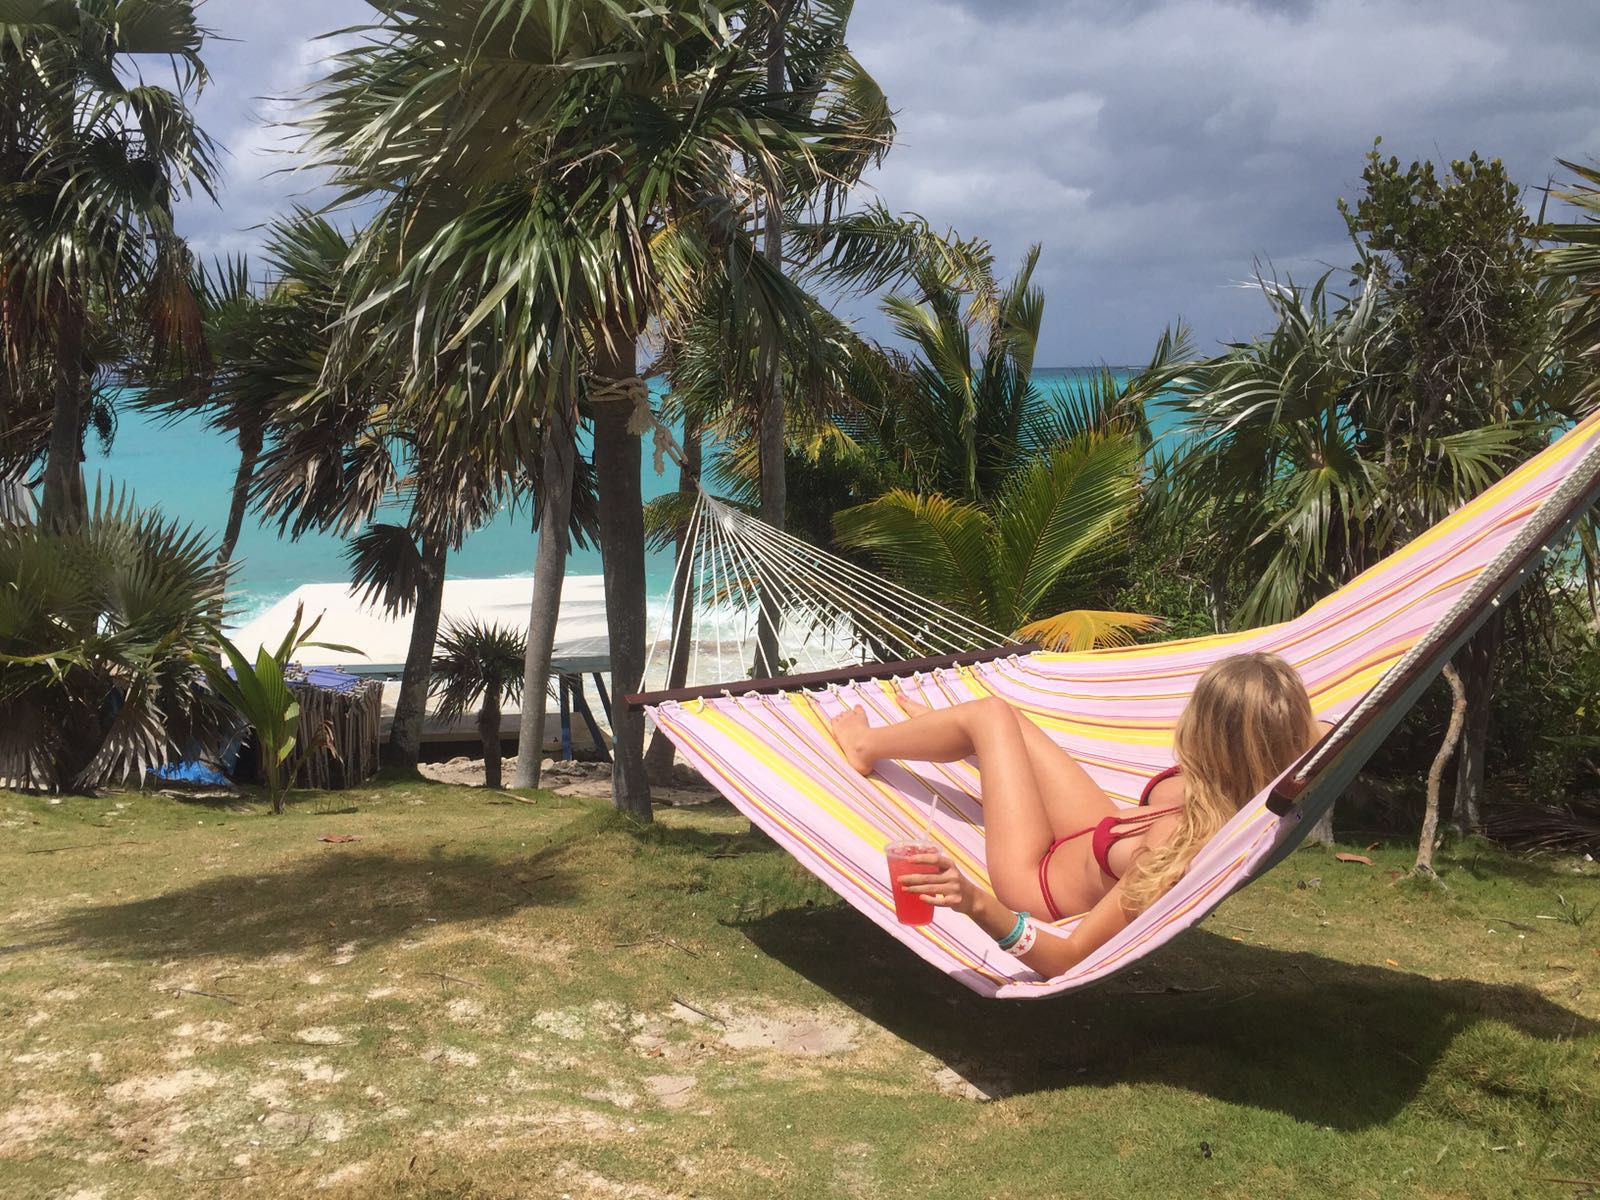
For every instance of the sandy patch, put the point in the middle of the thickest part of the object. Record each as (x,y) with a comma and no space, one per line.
(320,1035)
(462,1009)
(348,1173)
(615,1096)
(788,1031)
(671,1091)
(451,1056)
(157,1089)
(27,1123)
(572,778)
(316,1070)
(273,1092)
(330,1127)
(563,1023)
(39,1058)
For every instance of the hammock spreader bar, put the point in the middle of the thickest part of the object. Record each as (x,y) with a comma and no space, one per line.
(822,679)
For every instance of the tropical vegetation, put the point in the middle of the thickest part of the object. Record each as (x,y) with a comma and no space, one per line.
(1360,419)
(260,692)
(479,663)
(551,201)
(561,178)
(93,154)
(100,622)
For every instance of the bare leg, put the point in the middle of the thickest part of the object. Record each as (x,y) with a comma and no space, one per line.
(1072,800)
(1017,828)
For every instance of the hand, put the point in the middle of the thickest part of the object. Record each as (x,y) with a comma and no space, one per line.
(943,886)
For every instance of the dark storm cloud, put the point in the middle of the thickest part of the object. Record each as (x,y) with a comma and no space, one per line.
(1157,148)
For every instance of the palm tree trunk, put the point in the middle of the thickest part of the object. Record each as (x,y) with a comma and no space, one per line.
(658,759)
(489,735)
(774,495)
(405,733)
(560,453)
(249,451)
(1476,661)
(64,502)
(1322,832)
(616,468)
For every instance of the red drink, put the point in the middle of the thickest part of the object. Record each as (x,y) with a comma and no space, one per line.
(909,908)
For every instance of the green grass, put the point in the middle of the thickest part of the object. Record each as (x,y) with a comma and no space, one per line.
(491,998)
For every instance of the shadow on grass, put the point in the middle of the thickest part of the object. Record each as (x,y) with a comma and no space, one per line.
(1323,1041)
(329,898)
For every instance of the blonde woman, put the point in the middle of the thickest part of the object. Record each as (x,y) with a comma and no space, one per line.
(1056,843)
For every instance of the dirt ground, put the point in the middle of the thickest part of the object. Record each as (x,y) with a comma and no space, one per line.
(572,777)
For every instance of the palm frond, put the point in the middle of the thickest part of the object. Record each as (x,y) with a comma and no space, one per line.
(1088,629)
(1060,516)
(934,545)
(473,658)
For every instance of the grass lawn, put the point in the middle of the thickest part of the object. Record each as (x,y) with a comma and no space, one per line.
(487,997)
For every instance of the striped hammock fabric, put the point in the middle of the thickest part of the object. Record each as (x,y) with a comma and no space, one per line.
(1365,653)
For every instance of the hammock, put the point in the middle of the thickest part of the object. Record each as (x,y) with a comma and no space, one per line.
(1365,653)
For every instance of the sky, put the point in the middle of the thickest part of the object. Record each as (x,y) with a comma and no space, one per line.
(1159,150)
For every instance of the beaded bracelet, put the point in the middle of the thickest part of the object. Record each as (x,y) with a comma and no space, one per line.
(1011,938)
(1030,935)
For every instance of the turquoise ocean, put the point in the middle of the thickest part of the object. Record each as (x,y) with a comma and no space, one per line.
(187,471)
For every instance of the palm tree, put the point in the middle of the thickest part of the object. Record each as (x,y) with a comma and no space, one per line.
(1023,560)
(91,157)
(1277,478)
(570,176)
(1001,499)
(261,336)
(1574,253)
(479,664)
(1305,458)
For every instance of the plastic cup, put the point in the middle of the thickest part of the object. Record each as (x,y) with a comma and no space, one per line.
(909,908)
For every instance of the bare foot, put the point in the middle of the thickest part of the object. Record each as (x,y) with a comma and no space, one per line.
(850,731)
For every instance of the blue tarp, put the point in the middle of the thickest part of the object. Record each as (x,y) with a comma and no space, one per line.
(190,771)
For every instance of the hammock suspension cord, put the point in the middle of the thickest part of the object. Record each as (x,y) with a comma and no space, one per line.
(833,611)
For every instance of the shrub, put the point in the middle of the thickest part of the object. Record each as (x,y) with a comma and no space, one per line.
(98,623)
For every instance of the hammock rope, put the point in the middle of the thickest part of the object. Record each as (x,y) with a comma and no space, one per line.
(834,611)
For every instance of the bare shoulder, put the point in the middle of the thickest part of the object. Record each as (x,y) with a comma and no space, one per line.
(1168,792)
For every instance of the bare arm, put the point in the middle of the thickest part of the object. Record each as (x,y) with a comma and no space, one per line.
(946,887)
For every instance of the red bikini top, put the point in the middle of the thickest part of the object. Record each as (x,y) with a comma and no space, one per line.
(1112,830)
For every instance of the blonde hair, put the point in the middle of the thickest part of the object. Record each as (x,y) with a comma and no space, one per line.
(1248,719)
